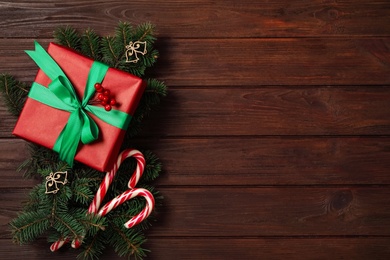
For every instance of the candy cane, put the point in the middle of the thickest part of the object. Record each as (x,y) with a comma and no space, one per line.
(127,195)
(58,244)
(103,188)
(93,208)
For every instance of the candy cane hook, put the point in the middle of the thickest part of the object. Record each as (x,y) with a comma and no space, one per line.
(127,195)
(103,188)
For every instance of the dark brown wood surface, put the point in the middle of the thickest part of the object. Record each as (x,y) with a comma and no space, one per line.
(275,136)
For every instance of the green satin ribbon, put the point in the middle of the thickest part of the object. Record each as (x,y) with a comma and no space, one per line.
(60,94)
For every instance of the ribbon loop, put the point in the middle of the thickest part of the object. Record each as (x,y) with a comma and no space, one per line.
(90,131)
(62,88)
(69,136)
(60,94)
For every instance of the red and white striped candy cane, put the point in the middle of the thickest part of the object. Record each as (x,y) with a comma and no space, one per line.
(58,244)
(93,208)
(127,195)
(103,188)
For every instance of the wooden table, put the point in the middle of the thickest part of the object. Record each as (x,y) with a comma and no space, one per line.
(275,135)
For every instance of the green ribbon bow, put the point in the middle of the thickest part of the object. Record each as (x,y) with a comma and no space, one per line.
(60,94)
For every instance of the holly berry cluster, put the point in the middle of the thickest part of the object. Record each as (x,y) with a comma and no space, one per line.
(104,96)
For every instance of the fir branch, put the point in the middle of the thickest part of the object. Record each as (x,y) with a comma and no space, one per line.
(67,225)
(82,191)
(82,194)
(94,224)
(34,199)
(92,248)
(109,54)
(28,226)
(68,36)
(60,166)
(153,167)
(145,32)
(123,33)
(125,241)
(41,158)
(90,44)
(123,36)
(155,90)
(150,59)
(14,93)
(137,70)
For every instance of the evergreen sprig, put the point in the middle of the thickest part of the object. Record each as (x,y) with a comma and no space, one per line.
(90,44)
(14,93)
(68,36)
(64,214)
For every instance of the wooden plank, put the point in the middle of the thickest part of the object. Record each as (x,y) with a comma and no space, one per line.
(264,248)
(248,62)
(272,161)
(226,248)
(7,121)
(12,154)
(248,18)
(254,62)
(253,161)
(273,111)
(246,211)
(257,211)
(263,111)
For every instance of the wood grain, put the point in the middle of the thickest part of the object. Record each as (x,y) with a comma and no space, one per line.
(257,211)
(273,111)
(208,211)
(270,248)
(251,161)
(228,248)
(275,135)
(202,19)
(264,111)
(248,62)
(13,154)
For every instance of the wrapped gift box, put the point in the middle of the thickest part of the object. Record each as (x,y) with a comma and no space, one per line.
(42,124)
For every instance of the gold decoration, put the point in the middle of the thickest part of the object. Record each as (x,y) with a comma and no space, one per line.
(133,49)
(54,180)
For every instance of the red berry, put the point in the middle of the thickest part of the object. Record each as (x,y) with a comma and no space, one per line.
(105,98)
(106,92)
(98,86)
(103,102)
(100,90)
(112,102)
(107,107)
(100,96)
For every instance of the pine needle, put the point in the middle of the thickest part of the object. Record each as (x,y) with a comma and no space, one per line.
(29,226)
(14,93)
(68,36)
(90,44)
(110,55)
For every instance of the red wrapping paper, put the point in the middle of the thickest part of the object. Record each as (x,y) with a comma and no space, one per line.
(42,124)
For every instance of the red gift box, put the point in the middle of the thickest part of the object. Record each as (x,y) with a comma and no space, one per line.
(42,124)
